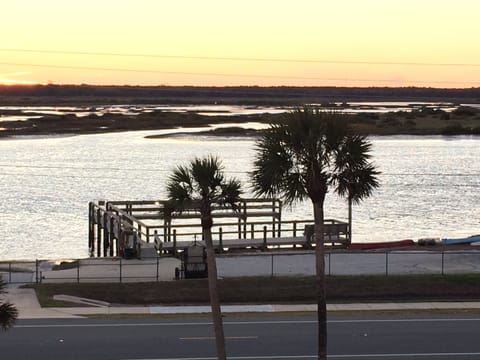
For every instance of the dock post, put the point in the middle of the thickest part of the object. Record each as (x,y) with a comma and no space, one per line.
(294,232)
(99,232)
(245,220)
(279,218)
(91,226)
(175,242)
(273,218)
(105,233)
(112,236)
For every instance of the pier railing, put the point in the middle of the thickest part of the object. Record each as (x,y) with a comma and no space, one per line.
(112,224)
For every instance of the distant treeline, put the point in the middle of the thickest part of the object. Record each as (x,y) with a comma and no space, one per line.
(227,95)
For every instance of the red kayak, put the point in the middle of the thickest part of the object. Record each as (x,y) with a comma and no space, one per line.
(381,245)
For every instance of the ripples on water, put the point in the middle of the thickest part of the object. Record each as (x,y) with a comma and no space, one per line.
(429,186)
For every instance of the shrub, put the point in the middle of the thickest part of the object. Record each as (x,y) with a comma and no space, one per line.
(445,116)
(465,111)
(390,122)
(455,129)
(410,124)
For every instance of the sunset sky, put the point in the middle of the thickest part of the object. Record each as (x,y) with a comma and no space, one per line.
(245,42)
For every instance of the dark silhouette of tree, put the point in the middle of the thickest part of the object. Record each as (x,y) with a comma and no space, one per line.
(355,176)
(8,312)
(202,186)
(300,158)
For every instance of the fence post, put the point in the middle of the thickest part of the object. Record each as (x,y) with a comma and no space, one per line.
(120,264)
(220,240)
(272,265)
(329,263)
(443,262)
(10,272)
(36,271)
(264,247)
(78,271)
(386,263)
(252,231)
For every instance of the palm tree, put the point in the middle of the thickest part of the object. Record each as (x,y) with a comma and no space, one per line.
(297,159)
(356,177)
(200,186)
(8,312)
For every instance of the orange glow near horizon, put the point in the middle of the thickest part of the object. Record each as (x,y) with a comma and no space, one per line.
(218,43)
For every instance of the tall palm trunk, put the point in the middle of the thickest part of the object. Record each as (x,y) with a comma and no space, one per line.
(213,289)
(320,280)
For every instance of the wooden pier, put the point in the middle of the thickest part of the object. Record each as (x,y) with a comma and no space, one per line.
(119,227)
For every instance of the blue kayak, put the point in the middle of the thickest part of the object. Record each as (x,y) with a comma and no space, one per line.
(466,240)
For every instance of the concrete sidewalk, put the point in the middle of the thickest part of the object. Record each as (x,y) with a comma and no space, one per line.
(29,308)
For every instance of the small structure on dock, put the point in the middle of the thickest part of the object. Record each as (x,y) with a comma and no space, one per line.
(131,228)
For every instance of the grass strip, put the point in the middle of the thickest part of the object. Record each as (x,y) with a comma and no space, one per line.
(274,290)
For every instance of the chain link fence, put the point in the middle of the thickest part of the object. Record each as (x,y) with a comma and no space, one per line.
(261,264)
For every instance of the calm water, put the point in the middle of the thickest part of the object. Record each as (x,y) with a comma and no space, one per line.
(429,186)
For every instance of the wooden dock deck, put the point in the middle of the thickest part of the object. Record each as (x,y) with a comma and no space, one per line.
(118,226)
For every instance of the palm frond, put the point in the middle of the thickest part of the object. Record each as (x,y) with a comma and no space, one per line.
(3,286)
(295,158)
(8,315)
(230,194)
(201,184)
(356,176)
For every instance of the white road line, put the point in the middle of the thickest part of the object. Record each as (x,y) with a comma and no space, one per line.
(346,356)
(269,322)
(423,355)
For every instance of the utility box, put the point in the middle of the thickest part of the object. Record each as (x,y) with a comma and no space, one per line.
(129,246)
(194,262)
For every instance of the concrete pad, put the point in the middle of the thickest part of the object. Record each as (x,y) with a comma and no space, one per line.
(115,270)
(26,302)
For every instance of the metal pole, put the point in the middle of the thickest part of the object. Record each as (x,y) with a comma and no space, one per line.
(120,270)
(443,262)
(174,242)
(78,271)
(386,263)
(220,240)
(272,265)
(10,272)
(36,271)
(158,261)
(264,238)
(329,263)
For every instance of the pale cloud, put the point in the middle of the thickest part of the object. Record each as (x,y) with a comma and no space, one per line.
(10,78)
(17,73)
(5,81)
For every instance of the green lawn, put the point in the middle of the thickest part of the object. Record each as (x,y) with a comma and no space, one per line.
(274,290)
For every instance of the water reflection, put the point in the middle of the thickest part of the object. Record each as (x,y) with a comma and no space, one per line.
(429,185)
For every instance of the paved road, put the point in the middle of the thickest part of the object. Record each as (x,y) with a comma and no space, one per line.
(265,337)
